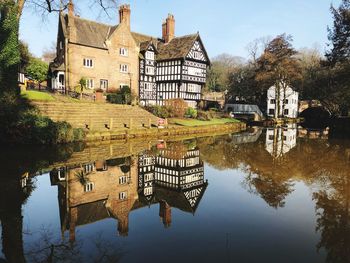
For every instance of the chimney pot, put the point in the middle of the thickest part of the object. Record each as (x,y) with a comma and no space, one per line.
(70,8)
(168,28)
(124,14)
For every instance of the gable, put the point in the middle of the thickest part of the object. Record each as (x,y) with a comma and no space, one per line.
(122,36)
(198,52)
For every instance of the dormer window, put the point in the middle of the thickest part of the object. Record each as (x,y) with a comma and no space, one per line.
(123,52)
(150,55)
(88,63)
(61,45)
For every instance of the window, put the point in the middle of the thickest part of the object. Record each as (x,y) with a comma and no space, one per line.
(148,86)
(149,55)
(271,111)
(122,195)
(123,179)
(90,83)
(286,101)
(104,84)
(286,112)
(196,55)
(88,187)
(150,70)
(124,68)
(88,63)
(194,88)
(123,52)
(273,101)
(61,45)
(271,137)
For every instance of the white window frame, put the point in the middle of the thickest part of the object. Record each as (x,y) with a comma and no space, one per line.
(197,54)
(123,195)
(124,68)
(148,86)
(104,84)
(90,84)
(149,55)
(123,179)
(88,63)
(149,70)
(89,187)
(123,52)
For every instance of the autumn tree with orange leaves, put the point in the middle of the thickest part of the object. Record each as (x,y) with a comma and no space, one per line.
(278,67)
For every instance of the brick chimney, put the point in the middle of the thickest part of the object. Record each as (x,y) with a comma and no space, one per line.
(168,29)
(124,15)
(165,213)
(70,7)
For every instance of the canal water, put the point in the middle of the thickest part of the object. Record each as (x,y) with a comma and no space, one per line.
(275,195)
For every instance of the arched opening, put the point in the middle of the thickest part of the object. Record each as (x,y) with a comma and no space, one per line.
(316,117)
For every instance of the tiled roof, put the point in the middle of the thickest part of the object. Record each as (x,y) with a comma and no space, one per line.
(94,34)
(178,47)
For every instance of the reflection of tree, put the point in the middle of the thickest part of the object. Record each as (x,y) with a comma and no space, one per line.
(269,189)
(12,197)
(333,212)
(322,164)
(49,249)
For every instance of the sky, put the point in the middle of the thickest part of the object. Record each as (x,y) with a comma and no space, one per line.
(225,26)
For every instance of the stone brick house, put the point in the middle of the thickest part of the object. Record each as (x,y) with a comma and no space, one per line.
(110,57)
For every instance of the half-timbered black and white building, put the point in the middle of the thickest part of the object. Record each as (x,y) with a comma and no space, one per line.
(171,67)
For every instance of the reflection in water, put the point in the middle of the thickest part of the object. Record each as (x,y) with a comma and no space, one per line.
(281,140)
(113,181)
(90,192)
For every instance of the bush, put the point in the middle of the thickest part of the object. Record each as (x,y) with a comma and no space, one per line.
(204,115)
(191,113)
(115,98)
(160,111)
(178,107)
(123,96)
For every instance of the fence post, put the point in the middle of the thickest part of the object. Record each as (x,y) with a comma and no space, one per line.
(111,123)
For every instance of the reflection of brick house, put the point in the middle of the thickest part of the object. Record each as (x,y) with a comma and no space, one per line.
(111,57)
(103,189)
(96,191)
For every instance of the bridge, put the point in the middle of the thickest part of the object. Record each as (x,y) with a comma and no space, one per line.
(214,97)
(306,104)
(245,111)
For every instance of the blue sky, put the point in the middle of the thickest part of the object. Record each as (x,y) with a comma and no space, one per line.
(226,26)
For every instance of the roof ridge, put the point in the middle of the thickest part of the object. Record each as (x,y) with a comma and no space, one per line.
(92,21)
(144,35)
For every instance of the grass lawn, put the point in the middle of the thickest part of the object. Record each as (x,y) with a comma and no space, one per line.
(193,123)
(37,95)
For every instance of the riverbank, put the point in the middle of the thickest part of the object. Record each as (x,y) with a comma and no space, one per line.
(173,131)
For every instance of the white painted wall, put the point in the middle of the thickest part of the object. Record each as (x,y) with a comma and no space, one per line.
(291,104)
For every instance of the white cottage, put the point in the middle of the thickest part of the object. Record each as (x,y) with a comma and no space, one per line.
(288,102)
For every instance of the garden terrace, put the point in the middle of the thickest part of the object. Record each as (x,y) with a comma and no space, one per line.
(97,116)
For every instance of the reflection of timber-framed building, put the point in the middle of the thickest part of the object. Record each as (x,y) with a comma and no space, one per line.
(111,57)
(174,179)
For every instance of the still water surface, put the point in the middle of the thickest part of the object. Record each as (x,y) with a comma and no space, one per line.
(280,195)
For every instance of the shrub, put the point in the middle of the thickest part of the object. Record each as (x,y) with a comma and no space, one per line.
(178,107)
(123,96)
(115,98)
(204,115)
(160,111)
(191,113)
